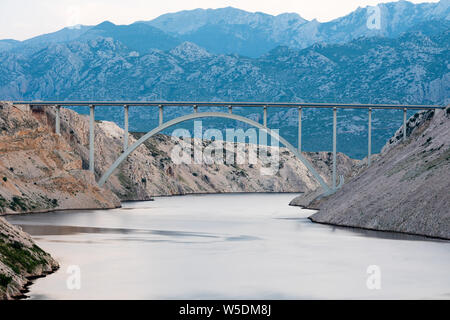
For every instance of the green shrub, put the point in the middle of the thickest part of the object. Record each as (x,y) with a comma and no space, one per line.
(4,280)
(18,202)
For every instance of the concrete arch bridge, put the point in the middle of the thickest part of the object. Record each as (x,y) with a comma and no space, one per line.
(297,151)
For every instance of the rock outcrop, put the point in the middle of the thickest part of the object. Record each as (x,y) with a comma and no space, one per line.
(21,260)
(407,187)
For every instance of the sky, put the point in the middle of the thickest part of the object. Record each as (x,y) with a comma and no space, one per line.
(23,19)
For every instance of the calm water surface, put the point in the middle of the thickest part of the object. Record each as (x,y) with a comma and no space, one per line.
(229,247)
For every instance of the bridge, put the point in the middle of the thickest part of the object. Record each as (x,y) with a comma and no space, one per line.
(297,151)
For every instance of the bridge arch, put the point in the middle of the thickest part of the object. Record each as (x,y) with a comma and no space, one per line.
(168,124)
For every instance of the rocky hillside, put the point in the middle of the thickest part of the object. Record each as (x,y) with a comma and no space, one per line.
(39,170)
(21,260)
(407,187)
(412,68)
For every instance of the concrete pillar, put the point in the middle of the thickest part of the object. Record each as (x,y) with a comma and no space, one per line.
(299,129)
(160,115)
(58,120)
(91,137)
(369,142)
(125,130)
(230,109)
(195,109)
(334,146)
(265,117)
(404,124)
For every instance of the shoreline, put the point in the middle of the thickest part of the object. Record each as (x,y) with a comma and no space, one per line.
(427,237)
(30,281)
(144,200)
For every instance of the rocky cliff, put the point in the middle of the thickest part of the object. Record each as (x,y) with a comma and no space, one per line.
(39,170)
(407,187)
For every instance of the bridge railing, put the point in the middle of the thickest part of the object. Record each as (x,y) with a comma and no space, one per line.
(230,105)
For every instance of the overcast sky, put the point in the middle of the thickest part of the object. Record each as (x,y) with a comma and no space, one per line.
(23,19)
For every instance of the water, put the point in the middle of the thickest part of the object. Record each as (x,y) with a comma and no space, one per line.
(236,246)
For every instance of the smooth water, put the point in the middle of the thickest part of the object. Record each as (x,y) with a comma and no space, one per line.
(233,246)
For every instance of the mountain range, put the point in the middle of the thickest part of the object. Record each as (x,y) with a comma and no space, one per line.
(234,31)
(232,55)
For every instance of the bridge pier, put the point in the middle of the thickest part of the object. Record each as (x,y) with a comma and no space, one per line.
(334,146)
(265,117)
(404,124)
(58,120)
(125,133)
(369,131)
(91,137)
(161,115)
(299,129)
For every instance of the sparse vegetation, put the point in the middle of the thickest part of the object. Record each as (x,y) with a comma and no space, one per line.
(4,280)
(18,203)
(18,257)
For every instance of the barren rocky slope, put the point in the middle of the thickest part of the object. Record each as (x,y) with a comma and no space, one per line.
(39,170)
(407,187)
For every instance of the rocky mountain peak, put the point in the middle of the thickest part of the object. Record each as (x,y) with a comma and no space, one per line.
(189,51)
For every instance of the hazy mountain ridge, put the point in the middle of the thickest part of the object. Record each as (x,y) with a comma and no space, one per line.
(231,30)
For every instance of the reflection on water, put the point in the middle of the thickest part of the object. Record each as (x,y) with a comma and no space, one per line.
(229,246)
(51,230)
(70,230)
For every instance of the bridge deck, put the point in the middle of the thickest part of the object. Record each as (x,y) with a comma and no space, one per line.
(228,104)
